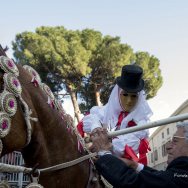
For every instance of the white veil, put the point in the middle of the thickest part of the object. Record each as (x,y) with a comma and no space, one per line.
(142,111)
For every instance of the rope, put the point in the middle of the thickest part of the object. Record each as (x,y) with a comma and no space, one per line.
(106,183)
(15,168)
(68,164)
(27,117)
(82,141)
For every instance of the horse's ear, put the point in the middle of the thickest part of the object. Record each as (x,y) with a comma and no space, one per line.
(3,50)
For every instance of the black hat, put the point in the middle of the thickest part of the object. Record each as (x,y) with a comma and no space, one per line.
(131,79)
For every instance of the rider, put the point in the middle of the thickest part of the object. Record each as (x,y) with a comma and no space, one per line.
(126,107)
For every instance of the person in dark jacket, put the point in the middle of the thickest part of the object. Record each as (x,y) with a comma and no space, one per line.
(129,174)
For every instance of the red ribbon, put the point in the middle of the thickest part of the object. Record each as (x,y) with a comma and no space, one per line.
(130,154)
(120,118)
(131,124)
(143,149)
(80,128)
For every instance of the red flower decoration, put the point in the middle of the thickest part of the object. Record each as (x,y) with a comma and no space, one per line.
(131,124)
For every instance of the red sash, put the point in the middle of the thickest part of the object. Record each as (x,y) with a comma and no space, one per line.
(143,147)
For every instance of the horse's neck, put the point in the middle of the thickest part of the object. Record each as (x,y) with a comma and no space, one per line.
(52,142)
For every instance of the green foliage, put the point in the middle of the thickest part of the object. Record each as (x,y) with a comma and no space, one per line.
(56,53)
(84,62)
(152,73)
(106,63)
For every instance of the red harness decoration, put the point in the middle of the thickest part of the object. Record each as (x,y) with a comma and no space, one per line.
(35,82)
(80,128)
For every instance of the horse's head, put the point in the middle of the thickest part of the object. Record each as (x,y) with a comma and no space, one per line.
(14,131)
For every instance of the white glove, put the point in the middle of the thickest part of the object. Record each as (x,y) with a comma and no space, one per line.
(90,122)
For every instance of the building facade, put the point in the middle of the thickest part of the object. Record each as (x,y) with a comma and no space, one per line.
(157,157)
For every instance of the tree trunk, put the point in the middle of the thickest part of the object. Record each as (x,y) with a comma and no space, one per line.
(75,103)
(97,95)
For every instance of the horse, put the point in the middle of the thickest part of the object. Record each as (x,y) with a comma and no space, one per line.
(47,141)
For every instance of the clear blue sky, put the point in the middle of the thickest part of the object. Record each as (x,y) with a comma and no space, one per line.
(158,27)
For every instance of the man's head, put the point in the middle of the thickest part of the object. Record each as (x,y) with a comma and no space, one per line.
(179,144)
(130,84)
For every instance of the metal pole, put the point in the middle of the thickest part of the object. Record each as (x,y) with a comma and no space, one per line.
(162,122)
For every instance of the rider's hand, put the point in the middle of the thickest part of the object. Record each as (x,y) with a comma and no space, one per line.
(100,140)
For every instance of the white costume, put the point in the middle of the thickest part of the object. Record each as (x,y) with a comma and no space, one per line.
(108,116)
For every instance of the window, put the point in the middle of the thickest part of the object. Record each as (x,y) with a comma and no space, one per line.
(155,155)
(168,131)
(164,153)
(162,135)
(152,158)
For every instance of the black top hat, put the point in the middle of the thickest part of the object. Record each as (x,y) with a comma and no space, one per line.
(131,79)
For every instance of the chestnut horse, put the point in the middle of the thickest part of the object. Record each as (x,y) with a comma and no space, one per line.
(51,143)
